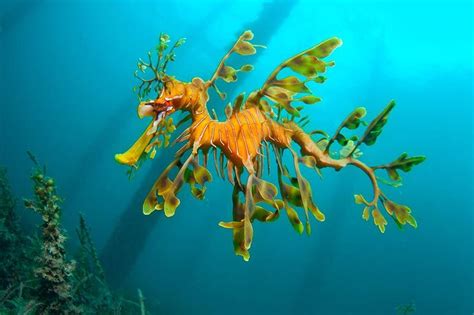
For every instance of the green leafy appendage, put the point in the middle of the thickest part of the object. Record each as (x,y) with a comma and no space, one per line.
(156,66)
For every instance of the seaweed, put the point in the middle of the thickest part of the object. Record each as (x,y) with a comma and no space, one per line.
(15,256)
(54,270)
(87,250)
(36,274)
(10,236)
(406,309)
(91,290)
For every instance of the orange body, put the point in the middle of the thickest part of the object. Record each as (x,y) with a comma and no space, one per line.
(240,137)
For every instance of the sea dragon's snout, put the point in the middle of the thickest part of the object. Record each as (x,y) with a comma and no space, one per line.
(159,109)
(146,109)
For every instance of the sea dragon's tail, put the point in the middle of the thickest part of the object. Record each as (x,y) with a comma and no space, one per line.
(317,154)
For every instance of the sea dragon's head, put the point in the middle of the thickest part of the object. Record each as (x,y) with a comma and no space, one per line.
(168,100)
(161,107)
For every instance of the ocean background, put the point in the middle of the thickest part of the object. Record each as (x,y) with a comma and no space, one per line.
(66,95)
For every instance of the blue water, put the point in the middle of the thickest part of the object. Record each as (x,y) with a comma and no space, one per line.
(66,78)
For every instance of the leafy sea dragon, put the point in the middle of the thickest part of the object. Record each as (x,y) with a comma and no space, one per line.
(264,121)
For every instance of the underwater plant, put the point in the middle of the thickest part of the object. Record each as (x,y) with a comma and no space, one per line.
(11,237)
(269,117)
(36,276)
(406,309)
(91,289)
(87,252)
(16,256)
(54,290)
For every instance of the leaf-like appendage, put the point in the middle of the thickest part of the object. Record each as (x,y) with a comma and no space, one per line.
(261,214)
(359,199)
(291,83)
(149,205)
(283,98)
(201,174)
(309,99)
(266,107)
(320,79)
(325,48)
(395,183)
(350,149)
(316,212)
(303,184)
(354,119)
(248,233)
(400,212)
(274,216)
(163,184)
(228,74)
(393,174)
(245,48)
(375,127)
(308,228)
(403,163)
(267,190)
(308,161)
(366,213)
(239,248)
(238,103)
(157,69)
(228,111)
(247,35)
(379,220)
(291,194)
(294,219)
(341,139)
(279,95)
(246,68)
(197,192)
(306,65)
(231,224)
(171,203)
